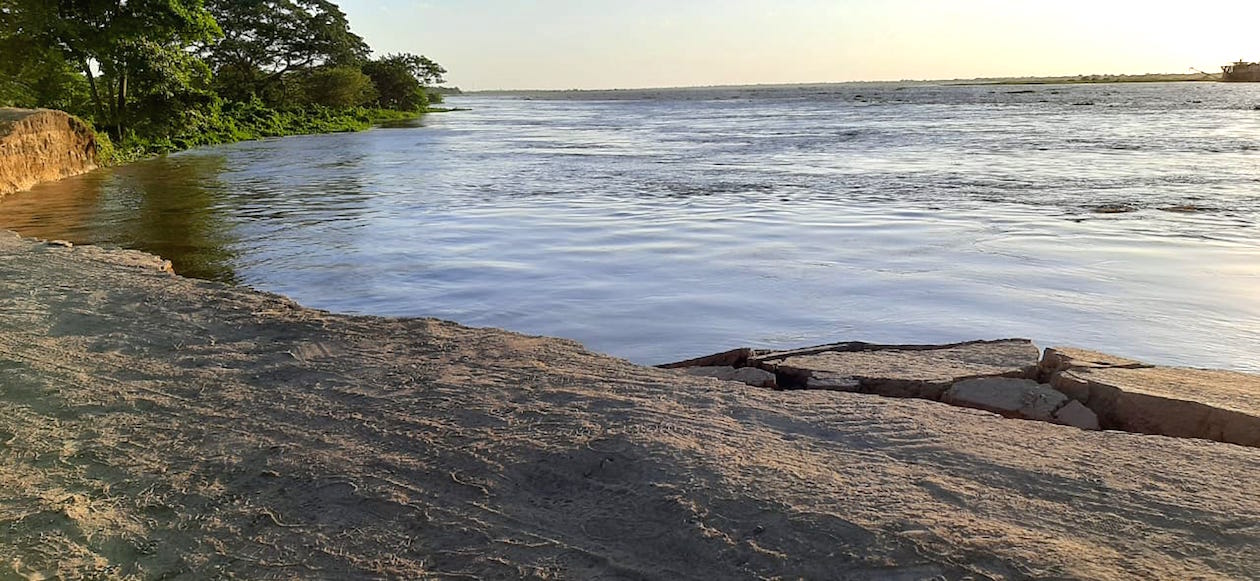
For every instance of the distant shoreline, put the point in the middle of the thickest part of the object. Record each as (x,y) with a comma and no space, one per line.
(1094,79)
(981,81)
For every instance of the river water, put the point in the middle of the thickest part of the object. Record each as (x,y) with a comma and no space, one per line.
(659,225)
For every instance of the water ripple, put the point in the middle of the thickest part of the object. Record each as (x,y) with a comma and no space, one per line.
(659,225)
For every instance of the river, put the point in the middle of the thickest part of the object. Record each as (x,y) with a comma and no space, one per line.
(659,225)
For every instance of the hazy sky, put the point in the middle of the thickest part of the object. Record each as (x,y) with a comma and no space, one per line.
(562,44)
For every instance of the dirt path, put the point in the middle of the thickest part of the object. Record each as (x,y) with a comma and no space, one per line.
(158,427)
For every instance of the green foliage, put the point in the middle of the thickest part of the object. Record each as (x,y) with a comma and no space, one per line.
(244,122)
(47,81)
(429,72)
(397,84)
(127,51)
(337,87)
(176,90)
(106,155)
(402,81)
(162,75)
(237,83)
(265,40)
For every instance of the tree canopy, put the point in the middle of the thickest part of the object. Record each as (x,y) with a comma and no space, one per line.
(342,86)
(159,69)
(268,39)
(401,79)
(128,52)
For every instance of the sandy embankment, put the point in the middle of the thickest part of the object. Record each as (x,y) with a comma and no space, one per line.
(154,426)
(38,145)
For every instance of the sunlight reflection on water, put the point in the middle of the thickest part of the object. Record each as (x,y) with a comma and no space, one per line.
(658,229)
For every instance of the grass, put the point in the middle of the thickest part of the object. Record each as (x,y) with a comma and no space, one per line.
(246,122)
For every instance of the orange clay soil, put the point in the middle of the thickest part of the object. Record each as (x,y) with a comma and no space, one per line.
(40,145)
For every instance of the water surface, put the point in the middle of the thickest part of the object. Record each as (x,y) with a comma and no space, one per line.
(663,225)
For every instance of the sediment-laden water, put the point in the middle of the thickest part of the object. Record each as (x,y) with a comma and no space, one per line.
(659,225)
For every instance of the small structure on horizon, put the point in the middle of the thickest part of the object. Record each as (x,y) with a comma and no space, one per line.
(1241,71)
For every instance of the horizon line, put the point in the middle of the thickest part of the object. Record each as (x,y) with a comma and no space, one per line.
(1045,79)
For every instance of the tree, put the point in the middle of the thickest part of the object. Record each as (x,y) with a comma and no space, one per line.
(133,50)
(400,80)
(338,87)
(429,72)
(264,40)
(176,91)
(396,83)
(37,77)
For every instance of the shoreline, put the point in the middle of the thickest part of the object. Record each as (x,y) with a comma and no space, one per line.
(349,121)
(981,81)
(157,425)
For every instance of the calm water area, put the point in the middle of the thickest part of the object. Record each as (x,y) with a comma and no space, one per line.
(660,225)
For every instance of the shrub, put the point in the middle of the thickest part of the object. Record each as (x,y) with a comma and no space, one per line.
(338,87)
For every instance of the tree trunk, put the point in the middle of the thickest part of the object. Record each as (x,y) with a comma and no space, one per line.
(122,100)
(96,93)
(112,102)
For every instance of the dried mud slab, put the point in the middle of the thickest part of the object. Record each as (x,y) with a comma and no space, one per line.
(922,371)
(153,426)
(1130,395)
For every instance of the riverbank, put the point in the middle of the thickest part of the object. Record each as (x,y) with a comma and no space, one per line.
(155,426)
(1097,79)
(1197,77)
(38,145)
(252,121)
(42,145)
(774,252)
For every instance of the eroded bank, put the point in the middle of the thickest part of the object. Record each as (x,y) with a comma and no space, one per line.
(38,145)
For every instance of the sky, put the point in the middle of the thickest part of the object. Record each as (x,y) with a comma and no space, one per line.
(602,44)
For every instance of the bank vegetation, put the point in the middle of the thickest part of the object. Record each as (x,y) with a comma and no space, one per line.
(154,76)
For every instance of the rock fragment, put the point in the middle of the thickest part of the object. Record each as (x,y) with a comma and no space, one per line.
(923,371)
(1076,387)
(1062,358)
(732,358)
(1132,396)
(1077,415)
(832,382)
(749,375)
(1019,398)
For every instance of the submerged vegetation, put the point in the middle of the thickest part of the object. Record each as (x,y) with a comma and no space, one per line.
(154,76)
